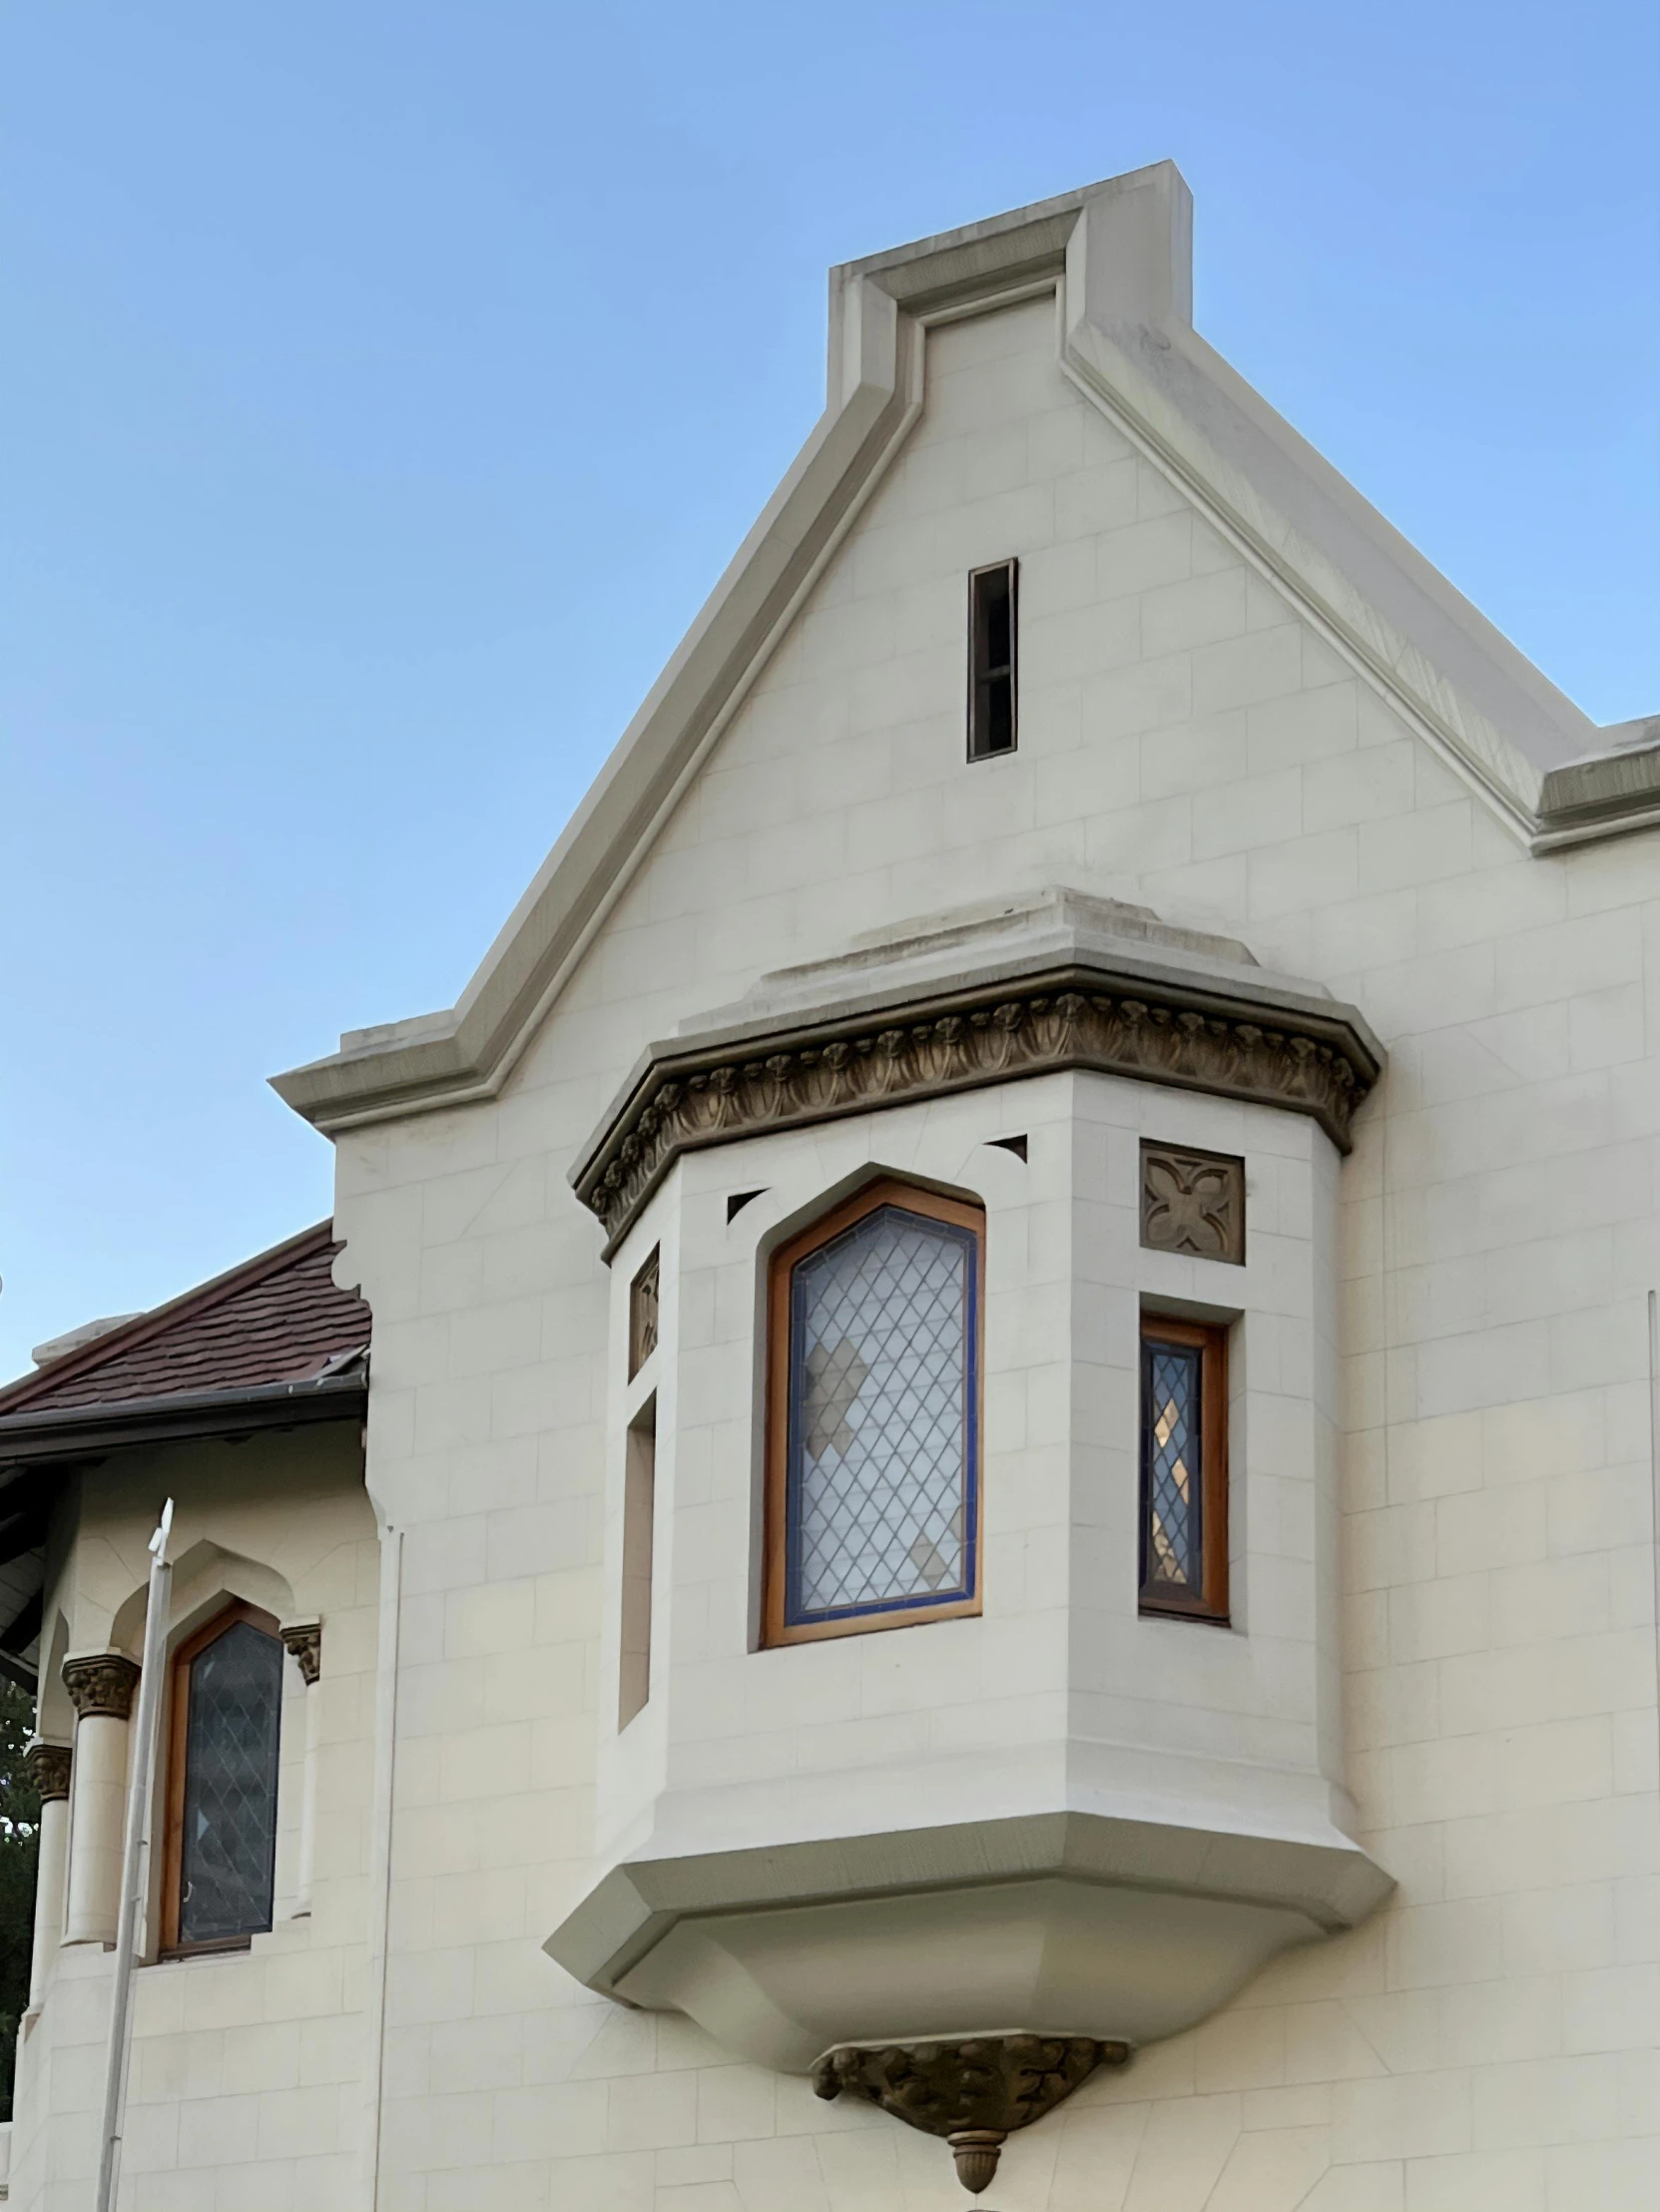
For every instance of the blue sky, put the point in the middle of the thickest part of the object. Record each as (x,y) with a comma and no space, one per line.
(388,383)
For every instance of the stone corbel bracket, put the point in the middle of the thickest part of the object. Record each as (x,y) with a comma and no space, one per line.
(974,2091)
(1200,1031)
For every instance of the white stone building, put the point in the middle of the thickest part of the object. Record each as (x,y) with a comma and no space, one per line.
(1010,1443)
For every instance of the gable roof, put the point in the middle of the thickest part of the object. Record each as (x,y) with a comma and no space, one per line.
(276,1320)
(271,1343)
(1119,252)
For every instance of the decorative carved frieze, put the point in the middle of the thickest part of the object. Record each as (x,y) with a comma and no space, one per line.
(304,1640)
(974,2094)
(101,1685)
(960,1041)
(642,1314)
(47,1766)
(1193,1202)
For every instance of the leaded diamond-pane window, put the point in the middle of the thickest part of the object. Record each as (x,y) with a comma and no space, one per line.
(1174,1501)
(1184,1550)
(879,1315)
(228,1713)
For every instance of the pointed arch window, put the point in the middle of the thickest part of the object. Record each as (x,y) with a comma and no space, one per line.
(222,1737)
(874,1417)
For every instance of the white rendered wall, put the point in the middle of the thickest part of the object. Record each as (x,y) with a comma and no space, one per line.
(247,2067)
(1188,741)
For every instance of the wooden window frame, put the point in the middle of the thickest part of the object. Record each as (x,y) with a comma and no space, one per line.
(177,1743)
(981,674)
(1210,1602)
(776,1629)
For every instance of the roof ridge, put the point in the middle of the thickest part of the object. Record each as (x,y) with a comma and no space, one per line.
(15,1396)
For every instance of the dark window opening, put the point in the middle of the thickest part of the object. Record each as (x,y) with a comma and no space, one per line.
(222,1792)
(991,639)
(638,1515)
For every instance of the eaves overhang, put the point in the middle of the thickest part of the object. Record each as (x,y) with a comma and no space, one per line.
(78,1431)
(1118,254)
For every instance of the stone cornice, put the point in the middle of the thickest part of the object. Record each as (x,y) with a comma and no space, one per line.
(1078,1015)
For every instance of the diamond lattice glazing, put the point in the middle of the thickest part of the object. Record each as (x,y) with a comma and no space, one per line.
(230,1840)
(880,1445)
(1173,1554)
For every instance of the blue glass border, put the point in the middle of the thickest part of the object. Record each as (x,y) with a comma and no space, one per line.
(795,1616)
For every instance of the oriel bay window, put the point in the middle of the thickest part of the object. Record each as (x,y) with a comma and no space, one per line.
(223,1725)
(873,1416)
(1184,1468)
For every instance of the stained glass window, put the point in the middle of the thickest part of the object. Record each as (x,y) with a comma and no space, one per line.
(882,1417)
(1183,1475)
(227,1840)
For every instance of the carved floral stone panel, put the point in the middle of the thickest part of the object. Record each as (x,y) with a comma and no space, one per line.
(303,1641)
(1193,1202)
(642,1314)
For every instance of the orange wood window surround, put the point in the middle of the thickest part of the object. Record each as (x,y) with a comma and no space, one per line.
(1209,1601)
(776,1628)
(177,1743)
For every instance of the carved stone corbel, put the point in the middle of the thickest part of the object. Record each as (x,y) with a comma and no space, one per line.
(304,1640)
(101,1685)
(974,2094)
(47,1766)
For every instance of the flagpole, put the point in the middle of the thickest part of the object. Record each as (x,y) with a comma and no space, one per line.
(135,1857)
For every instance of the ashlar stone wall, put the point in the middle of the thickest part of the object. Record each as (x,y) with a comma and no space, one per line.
(249,2075)
(1189,741)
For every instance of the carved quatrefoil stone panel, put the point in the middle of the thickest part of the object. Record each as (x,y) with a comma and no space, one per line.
(1193,1202)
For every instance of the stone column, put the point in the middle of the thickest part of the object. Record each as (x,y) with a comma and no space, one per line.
(47,1766)
(100,1686)
(304,1640)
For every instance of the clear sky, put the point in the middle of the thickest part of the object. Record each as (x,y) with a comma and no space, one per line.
(388,381)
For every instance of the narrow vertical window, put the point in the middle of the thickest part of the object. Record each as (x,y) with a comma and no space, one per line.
(227,1702)
(638,1514)
(874,1423)
(991,655)
(1184,1468)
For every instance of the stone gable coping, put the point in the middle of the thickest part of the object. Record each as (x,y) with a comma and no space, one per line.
(1119,255)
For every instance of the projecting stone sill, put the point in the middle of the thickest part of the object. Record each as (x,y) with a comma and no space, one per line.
(1058,1924)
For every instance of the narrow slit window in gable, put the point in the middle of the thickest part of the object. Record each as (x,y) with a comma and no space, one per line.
(992,636)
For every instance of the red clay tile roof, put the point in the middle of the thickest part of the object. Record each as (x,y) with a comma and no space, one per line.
(274,1318)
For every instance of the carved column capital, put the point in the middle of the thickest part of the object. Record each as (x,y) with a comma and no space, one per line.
(304,1640)
(974,2092)
(101,1685)
(47,1766)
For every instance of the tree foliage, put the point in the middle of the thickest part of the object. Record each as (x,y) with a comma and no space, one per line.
(19,1850)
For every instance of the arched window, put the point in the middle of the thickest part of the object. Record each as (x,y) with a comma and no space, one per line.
(225,1709)
(873,1382)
